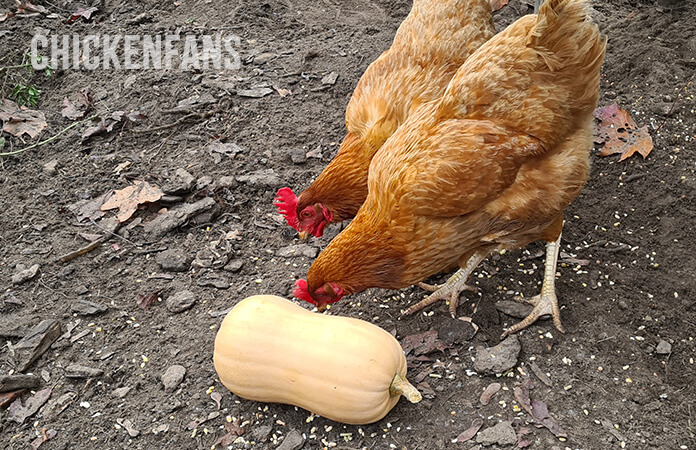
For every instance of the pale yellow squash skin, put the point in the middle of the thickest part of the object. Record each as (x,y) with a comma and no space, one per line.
(269,349)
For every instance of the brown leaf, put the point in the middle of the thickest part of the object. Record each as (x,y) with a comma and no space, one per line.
(19,412)
(107,123)
(471,431)
(489,392)
(523,442)
(422,343)
(620,134)
(234,430)
(497,4)
(522,397)
(85,13)
(19,120)
(146,300)
(76,109)
(129,198)
(27,8)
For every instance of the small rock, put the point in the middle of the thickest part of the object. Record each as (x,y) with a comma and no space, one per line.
(501,434)
(663,348)
(298,250)
(217,283)
(87,308)
(204,182)
(121,392)
(264,177)
(455,331)
(297,155)
(173,377)
(181,301)
(181,183)
(293,441)
(256,92)
(234,266)
(128,425)
(514,309)
(174,260)
(498,359)
(260,434)
(227,182)
(18,381)
(263,58)
(36,342)
(329,79)
(51,167)
(25,274)
(78,371)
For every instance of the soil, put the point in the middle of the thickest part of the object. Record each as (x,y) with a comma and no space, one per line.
(626,282)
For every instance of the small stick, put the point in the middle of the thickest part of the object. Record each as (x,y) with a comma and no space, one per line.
(52,138)
(204,115)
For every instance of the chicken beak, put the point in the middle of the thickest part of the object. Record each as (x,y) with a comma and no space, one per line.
(321,308)
(303,235)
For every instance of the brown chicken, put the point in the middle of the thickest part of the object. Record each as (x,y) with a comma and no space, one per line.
(429,46)
(491,165)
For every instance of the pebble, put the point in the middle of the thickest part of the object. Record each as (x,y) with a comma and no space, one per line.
(263,58)
(663,348)
(172,377)
(25,274)
(181,183)
(204,182)
(501,434)
(293,441)
(298,250)
(500,358)
(78,371)
(174,260)
(260,434)
(121,392)
(227,182)
(297,155)
(51,167)
(87,308)
(58,405)
(514,309)
(180,301)
(234,266)
(329,79)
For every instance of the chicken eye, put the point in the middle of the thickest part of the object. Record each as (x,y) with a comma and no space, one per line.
(305,214)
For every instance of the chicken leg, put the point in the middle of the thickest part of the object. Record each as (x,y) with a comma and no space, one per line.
(453,287)
(546,302)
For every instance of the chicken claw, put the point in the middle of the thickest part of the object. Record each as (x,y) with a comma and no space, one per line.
(452,287)
(545,303)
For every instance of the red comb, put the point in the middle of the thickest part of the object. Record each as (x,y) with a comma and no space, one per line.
(286,202)
(302,292)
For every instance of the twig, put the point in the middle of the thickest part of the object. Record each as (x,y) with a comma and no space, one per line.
(200,116)
(52,138)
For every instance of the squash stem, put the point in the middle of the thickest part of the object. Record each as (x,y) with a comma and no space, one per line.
(401,386)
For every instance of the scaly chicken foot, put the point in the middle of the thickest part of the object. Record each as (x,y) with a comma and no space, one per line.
(452,287)
(546,302)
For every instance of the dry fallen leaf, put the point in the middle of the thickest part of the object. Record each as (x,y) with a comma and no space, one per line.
(85,13)
(129,198)
(471,431)
(422,343)
(19,120)
(145,300)
(620,134)
(19,412)
(77,108)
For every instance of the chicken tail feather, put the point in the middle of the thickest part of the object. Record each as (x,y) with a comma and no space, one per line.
(286,202)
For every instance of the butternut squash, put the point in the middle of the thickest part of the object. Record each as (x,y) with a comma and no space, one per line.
(269,349)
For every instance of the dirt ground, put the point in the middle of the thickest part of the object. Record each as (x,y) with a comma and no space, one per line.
(622,376)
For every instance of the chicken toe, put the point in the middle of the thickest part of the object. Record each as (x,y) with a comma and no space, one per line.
(454,286)
(545,303)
